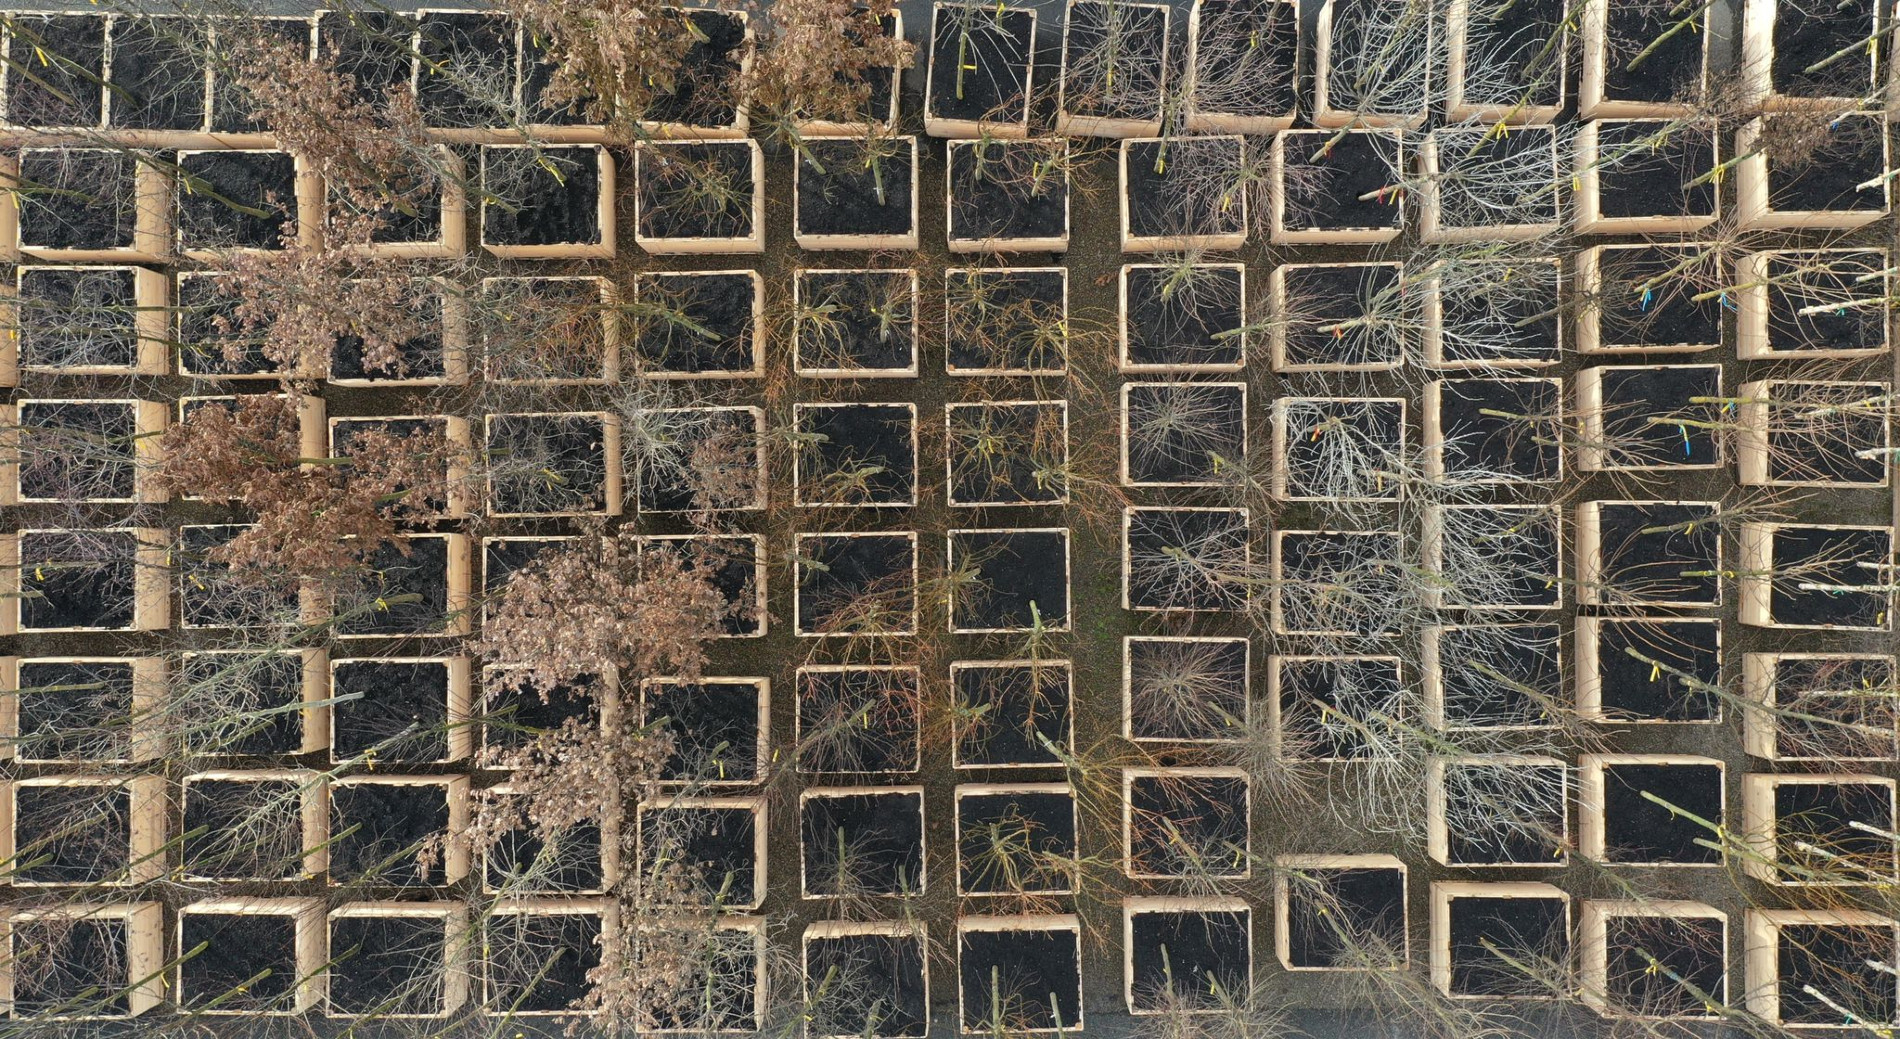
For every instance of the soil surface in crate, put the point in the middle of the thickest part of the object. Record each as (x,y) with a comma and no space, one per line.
(1313,562)
(400,712)
(63,969)
(1502,677)
(415,216)
(1516,40)
(1034,978)
(721,987)
(1206,952)
(568,456)
(1527,156)
(864,189)
(1832,176)
(861,454)
(843,329)
(1009,711)
(73,581)
(715,327)
(260,700)
(1837,707)
(74,711)
(470,47)
(1154,536)
(712,461)
(882,836)
(1637,829)
(1509,314)
(244,829)
(1004,196)
(421,356)
(880,971)
(376,48)
(71,834)
(1477,835)
(859,719)
(1193,690)
(1339,448)
(1633,397)
(1246,57)
(213,338)
(538,963)
(387,964)
(77,318)
(1008,453)
(1019,579)
(716,847)
(1659,552)
(396,829)
(235,199)
(999,44)
(1673,676)
(1823,815)
(381,607)
(1520,442)
(1316,692)
(1795,284)
(553,204)
(1188,825)
(1665,68)
(715,728)
(1335,181)
(1637,176)
(1015,842)
(1183,432)
(860,582)
(54,68)
(672,199)
(999,321)
(1527,930)
(527,860)
(1185,186)
(248,963)
(704,83)
(1694,960)
(1343,917)
(1170,322)
(733,566)
(1831,559)
(77,198)
(231,104)
(1520,566)
(1833,959)
(1126,82)
(1827,448)
(1647,300)
(1803,40)
(1320,300)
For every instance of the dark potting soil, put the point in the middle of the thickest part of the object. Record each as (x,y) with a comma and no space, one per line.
(1196,324)
(998,320)
(77,198)
(866,187)
(158,74)
(538,962)
(1018,579)
(1489,675)
(1672,70)
(1004,190)
(1478,837)
(264,692)
(1528,930)
(1523,567)
(515,715)
(1352,912)
(568,453)
(999,42)
(388,825)
(77,580)
(859,320)
(1658,179)
(78,318)
(882,833)
(1010,709)
(706,81)
(398,569)
(1832,558)
(1523,158)
(72,967)
(1834,960)
(235,199)
(208,325)
(715,845)
(1114,59)
(1015,842)
(533,329)
(1180,432)
(1196,953)
(376,48)
(1693,949)
(248,963)
(711,456)
(71,834)
(501,557)
(210,596)
(1325,296)
(715,333)
(55,64)
(1828,449)
(1838,707)
(720,989)
(859,720)
(78,449)
(536,73)
(1831,176)
(528,859)
(552,196)
(1327,172)
(1313,461)
(1008,453)
(859,454)
(1634,396)
(422,356)
(1210,674)
(1822,815)
(231,110)
(401,711)
(1798,282)
(715,727)
(1682,689)
(1836,37)
(387,964)
(1218,535)
(1659,552)
(1256,77)
(869,973)
(1188,826)
(74,710)
(1314,562)
(859,582)
(1638,830)
(459,48)
(734,565)
(1499,317)
(1315,689)
(1518,39)
(1030,979)
(269,815)
(1647,298)
(1522,442)
(1172,186)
